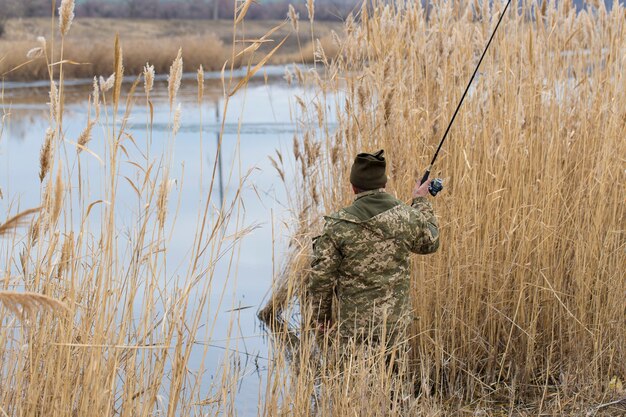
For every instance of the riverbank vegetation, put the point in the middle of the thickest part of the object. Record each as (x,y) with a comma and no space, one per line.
(521,310)
(93,319)
(177,9)
(89,51)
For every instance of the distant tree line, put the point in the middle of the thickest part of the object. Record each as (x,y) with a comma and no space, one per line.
(178,9)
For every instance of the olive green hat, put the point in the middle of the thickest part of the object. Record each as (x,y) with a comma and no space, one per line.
(368,171)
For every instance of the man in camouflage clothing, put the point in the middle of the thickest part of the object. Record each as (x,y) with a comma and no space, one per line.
(360,278)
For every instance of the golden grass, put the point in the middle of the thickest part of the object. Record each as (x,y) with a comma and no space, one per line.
(89,45)
(96,58)
(21,303)
(66,16)
(522,307)
(520,312)
(124,341)
(16,221)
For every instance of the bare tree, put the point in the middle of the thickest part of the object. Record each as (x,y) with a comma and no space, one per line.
(216,9)
(143,9)
(133,8)
(31,8)
(189,9)
(10,8)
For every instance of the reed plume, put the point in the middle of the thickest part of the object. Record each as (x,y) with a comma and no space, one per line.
(45,154)
(106,85)
(66,16)
(34,53)
(310,7)
(173,80)
(85,136)
(148,78)
(119,73)
(54,101)
(38,51)
(18,220)
(57,198)
(28,303)
(95,97)
(176,123)
(200,79)
(67,255)
(293,17)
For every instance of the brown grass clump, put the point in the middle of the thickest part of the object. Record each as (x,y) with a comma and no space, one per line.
(89,45)
(125,343)
(520,312)
(523,303)
(96,57)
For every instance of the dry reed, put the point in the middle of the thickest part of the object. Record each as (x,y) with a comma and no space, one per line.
(148,76)
(522,307)
(111,354)
(106,85)
(22,304)
(66,16)
(85,136)
(96,58)
(176,73)
(57,198)
(16,221)
(89,45)
(200,80)
(45,154)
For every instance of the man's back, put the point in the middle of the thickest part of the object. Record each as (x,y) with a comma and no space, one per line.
(361,268)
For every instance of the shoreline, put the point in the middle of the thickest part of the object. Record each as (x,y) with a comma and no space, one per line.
(88,49)
(240,72)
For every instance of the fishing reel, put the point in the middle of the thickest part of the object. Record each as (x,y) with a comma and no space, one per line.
(435,186)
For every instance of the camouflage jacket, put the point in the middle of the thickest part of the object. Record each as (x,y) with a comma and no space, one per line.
(360,273)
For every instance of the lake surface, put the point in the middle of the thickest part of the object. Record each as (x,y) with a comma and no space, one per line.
(258,122)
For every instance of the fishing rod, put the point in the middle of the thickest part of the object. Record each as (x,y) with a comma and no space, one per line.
(436,185)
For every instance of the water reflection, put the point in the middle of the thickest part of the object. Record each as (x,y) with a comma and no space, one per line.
(258,122)
(220,172)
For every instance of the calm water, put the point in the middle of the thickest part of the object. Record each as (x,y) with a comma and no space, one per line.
(261,115)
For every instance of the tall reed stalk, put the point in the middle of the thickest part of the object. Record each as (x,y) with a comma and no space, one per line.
(93,321)
(521,310)
(523,305)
